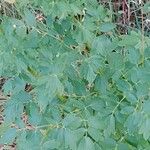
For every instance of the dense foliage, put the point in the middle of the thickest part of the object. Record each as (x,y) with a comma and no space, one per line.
(90,85)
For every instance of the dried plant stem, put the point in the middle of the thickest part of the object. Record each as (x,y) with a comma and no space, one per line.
(142,37)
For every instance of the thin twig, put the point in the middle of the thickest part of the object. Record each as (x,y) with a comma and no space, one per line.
(114,110)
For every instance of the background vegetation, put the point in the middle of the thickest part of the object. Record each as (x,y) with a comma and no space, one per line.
(76,75)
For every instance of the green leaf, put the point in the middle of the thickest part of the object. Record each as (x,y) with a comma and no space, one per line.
(109,144)
(29,140)
(110,126)
(14,107)
(9,136)
(106,27)
(133,121)
(145,129)
(51,144)
(102,45)
(90,75)
(79,133)
(34,114)
(130,40)
(94,122)
(87,72)
(89,68)
(72,122)
(127,110)
(29,18)
(101,84)
(86,143)
(14,86)
(134,56)
(124,85)
(95,134)
(116,61)
(123,146)
(70,139)
(42,99)
(142,89)
(131,97)
(83,35)
(58,28)
(146,7)
(146,106)
(20,29)
(52,86)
